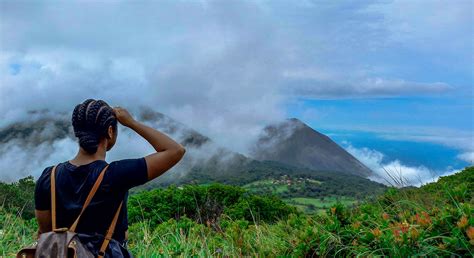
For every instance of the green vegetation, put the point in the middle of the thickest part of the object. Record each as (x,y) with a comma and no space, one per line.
(312,205)
(213,220)
(307,194)
(321,188)
(18,197)
(205,204)
(267,185)
(255,175)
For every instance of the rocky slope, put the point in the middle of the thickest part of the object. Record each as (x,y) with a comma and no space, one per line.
(295,143)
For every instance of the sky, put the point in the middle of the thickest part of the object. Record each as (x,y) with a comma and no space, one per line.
(390,81)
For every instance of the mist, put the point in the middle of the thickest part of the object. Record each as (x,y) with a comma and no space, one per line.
(27,148)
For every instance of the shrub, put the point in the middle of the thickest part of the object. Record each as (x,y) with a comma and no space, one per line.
(205,204)
(18,197)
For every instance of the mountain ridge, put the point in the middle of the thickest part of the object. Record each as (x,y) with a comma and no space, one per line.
(295,143)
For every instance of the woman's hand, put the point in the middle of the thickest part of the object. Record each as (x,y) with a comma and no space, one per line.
(123,116)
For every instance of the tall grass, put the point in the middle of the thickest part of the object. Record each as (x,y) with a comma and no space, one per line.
(15,233)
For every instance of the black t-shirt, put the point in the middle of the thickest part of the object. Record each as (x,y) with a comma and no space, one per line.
(73,184)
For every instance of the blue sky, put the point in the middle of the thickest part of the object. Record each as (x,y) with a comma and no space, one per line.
(392,81)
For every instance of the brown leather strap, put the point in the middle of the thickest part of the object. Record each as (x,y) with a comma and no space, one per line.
(89,197)
(110,232)
(53,197)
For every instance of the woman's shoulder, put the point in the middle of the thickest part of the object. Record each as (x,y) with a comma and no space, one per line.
(128,173)
(43,183)
(46,174)
(129,166)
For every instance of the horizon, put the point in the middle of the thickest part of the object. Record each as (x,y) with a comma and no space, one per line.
(389,81)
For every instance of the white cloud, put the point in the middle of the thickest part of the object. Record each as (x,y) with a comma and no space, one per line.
(17,162)
(467,156)
(321,85)
(462,140)
(212,68)
(394,172)
(423,22)
(459,141)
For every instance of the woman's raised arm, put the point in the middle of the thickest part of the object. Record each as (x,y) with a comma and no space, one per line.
(168,152)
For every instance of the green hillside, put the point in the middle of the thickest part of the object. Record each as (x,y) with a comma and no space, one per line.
(221,220)
(310,195)
(320,188)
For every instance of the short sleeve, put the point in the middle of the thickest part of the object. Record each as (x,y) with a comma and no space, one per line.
(128,173)
(43,190)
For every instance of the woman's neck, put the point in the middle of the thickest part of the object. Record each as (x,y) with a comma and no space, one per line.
(83,157)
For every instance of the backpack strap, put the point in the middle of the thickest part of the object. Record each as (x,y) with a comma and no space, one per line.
(110,232)
(53,197)
(89,198)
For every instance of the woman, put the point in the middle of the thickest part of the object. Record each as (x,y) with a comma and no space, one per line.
(95,125)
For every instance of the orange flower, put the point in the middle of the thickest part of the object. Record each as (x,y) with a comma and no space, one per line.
(462,223)
(396,232)
(376,232)
(404,227)
(333,210)
(385,216)
(424,219)
(356,225)
(470,233)
(400,228)
(441,246)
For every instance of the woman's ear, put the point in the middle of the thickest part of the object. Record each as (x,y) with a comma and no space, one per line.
(111,136)
(110,132)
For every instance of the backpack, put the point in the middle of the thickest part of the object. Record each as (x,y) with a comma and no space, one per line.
(65,242)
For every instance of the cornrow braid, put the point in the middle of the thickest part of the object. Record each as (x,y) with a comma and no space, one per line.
(91,120)
(78,116)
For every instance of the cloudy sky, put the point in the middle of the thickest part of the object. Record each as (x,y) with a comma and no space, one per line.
(391,81)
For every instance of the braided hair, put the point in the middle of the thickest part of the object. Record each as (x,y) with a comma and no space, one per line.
(91,120)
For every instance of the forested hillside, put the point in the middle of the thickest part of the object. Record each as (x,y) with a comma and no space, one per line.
(310,190)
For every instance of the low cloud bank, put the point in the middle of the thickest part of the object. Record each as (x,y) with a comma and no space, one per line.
(33,146)
(467,156)
(394,172)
